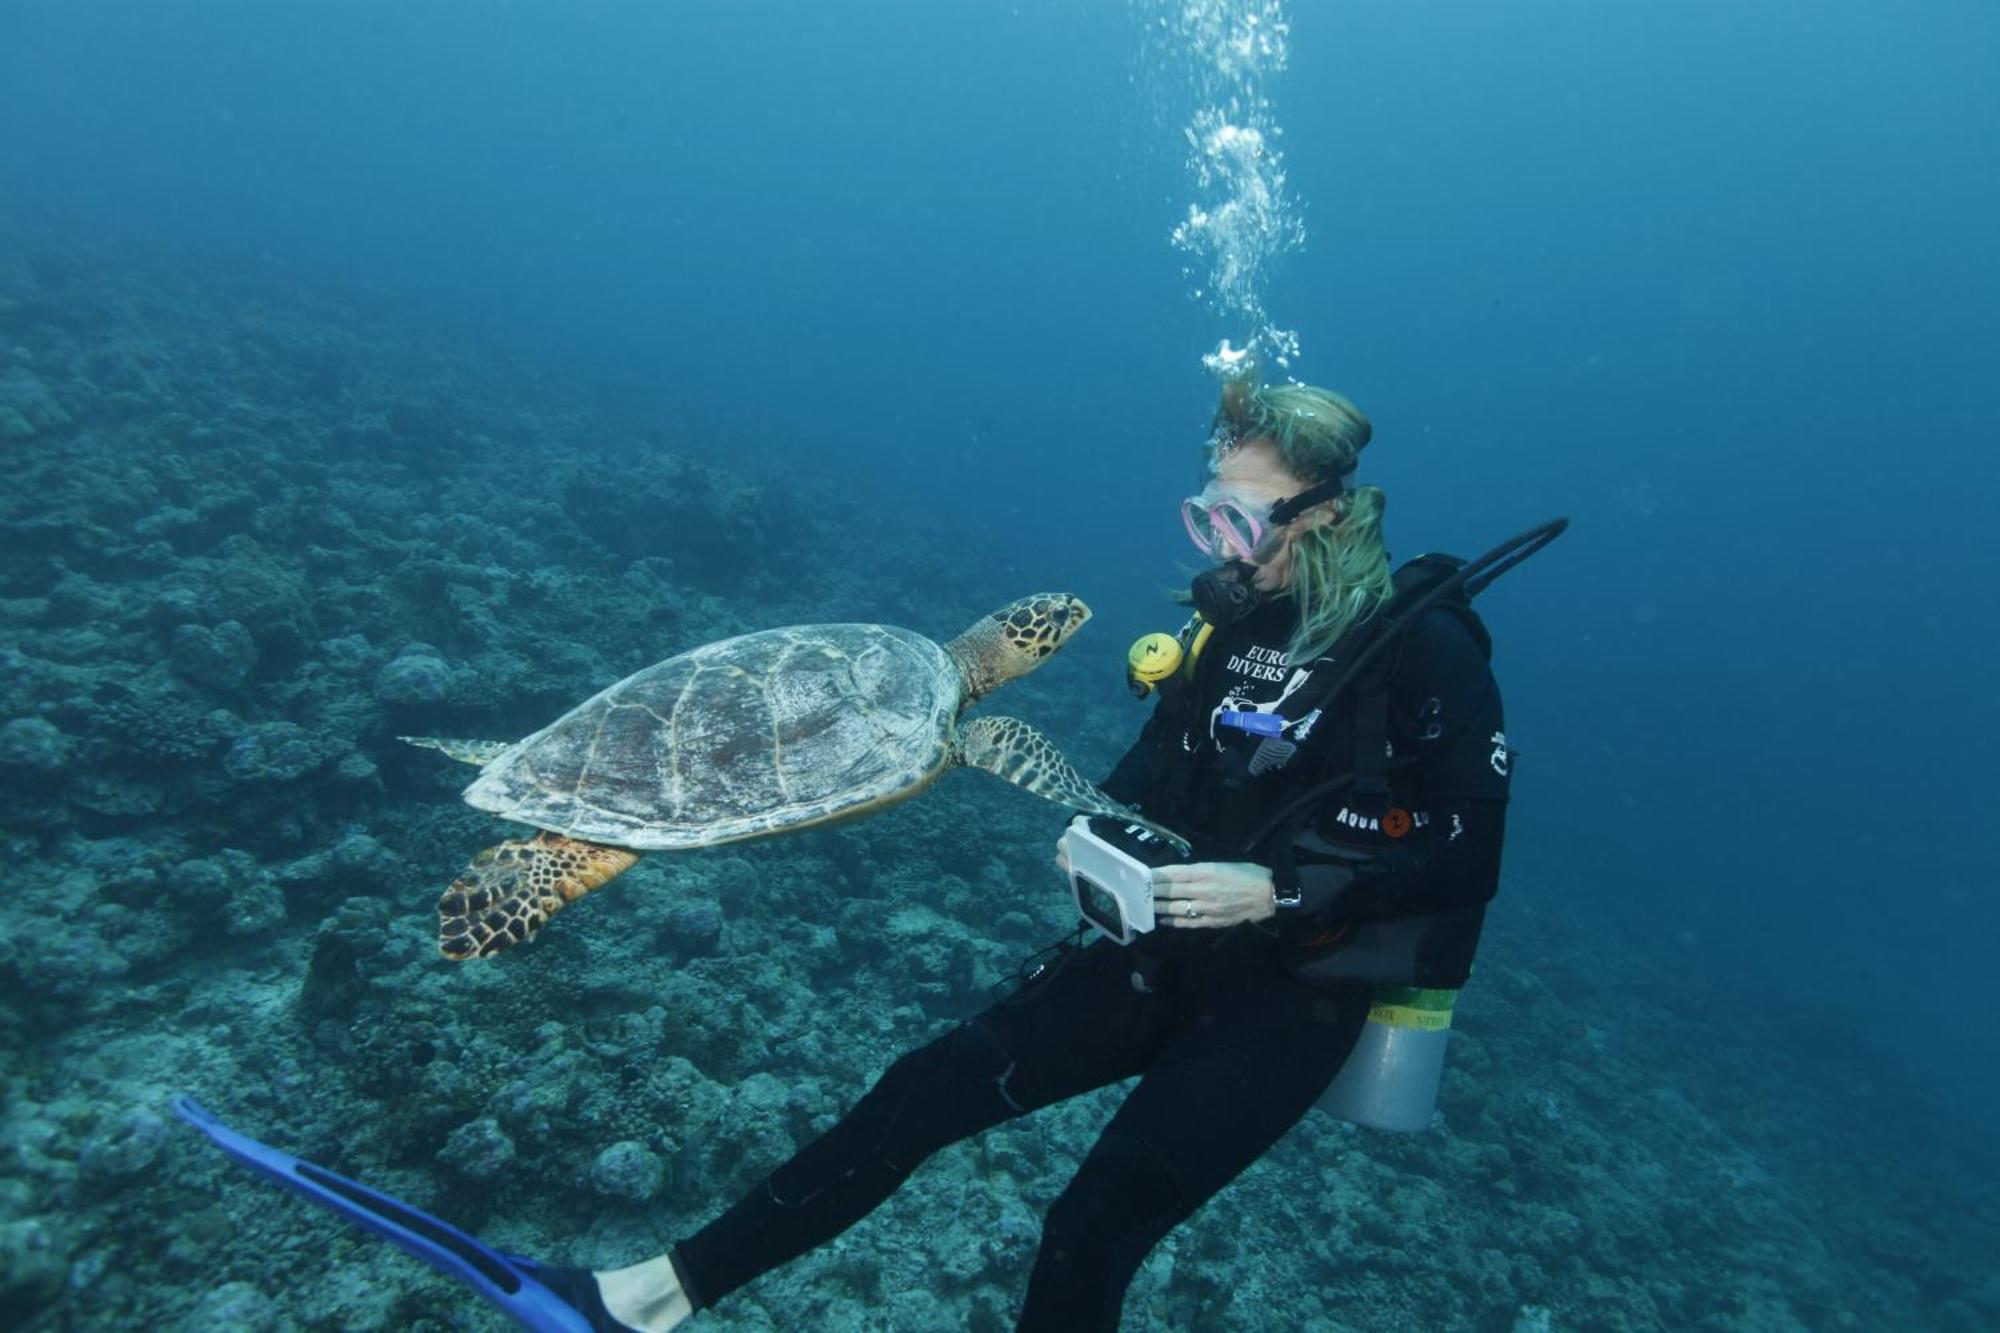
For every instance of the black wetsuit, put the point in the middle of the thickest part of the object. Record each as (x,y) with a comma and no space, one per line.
(1236,1033)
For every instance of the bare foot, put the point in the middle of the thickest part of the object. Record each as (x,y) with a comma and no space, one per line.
(646,1296)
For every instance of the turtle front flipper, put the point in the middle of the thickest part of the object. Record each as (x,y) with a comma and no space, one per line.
(510,891)
(1009,748)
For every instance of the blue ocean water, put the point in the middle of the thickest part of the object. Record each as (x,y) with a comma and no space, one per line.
(368,369)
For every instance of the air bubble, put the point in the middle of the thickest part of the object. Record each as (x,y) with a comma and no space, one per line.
(1242,220)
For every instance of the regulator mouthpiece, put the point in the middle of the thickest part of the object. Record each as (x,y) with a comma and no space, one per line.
(1227,593)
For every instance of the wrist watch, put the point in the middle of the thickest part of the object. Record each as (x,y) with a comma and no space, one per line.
(1286,889)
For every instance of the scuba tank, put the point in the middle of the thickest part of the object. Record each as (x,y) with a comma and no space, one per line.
(1390,1079)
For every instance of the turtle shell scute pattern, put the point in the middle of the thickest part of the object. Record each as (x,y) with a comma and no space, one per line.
(737,739)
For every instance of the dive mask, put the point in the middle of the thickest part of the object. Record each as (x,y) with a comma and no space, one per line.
(1226,526)
(1222,525)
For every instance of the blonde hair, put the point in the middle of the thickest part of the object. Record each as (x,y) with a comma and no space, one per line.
(1340,570)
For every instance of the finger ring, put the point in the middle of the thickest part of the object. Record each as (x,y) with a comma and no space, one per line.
(1191,911)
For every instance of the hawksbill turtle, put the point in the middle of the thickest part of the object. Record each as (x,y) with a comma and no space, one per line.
(744,738)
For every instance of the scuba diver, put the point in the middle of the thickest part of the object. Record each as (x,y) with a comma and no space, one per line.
(1328,737)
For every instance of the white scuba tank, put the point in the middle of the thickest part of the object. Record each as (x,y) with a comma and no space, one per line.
(1391,1077)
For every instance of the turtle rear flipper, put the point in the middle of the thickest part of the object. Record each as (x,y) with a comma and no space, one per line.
(510,891)
(1009,748)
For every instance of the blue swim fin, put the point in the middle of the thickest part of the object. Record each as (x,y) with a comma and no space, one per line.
(511,1282)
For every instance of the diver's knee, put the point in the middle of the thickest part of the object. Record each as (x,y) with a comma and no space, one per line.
(1124,1192)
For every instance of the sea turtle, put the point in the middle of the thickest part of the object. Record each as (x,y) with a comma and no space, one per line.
(743,738)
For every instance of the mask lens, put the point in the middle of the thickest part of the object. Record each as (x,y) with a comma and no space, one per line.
(1224,528)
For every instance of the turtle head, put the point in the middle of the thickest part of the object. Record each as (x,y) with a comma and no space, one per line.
(1015,640)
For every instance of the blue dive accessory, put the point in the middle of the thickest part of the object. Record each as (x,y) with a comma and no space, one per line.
(509,1281)
(1257,724)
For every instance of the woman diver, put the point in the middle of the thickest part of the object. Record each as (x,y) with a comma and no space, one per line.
(1236,1012)
(1328,739)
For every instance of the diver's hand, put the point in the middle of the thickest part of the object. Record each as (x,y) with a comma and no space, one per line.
(1062,850)
(1211,893)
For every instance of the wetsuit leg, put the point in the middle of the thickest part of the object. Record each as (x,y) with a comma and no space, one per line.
(1226,1088)
(1023,1053)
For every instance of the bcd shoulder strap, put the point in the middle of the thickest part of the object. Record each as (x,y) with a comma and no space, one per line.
(1421,584)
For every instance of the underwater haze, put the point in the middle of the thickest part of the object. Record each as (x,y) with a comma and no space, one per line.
(371,369)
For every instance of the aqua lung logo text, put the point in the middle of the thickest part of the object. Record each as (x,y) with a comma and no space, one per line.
(1364,824)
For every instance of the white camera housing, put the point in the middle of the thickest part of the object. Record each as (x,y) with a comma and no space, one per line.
(1113,887)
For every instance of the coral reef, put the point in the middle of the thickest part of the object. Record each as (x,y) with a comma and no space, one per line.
(254,534)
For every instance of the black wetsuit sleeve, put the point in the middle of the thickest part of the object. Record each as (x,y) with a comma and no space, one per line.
(1445,708)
